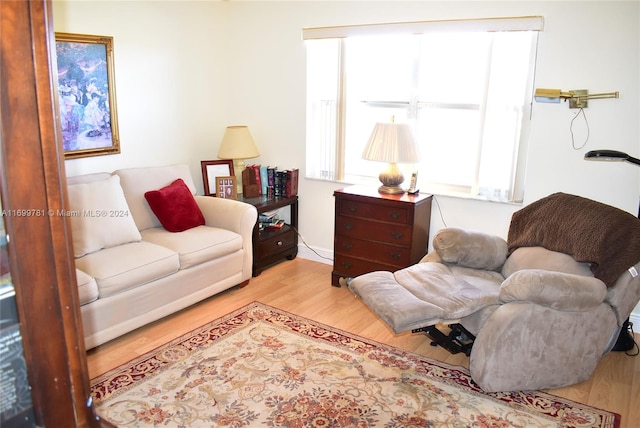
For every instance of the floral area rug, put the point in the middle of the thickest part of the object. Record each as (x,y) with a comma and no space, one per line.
(263,367)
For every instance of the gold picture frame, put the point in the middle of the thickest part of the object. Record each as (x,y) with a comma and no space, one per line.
(212,169)
(226,187)
(87,95)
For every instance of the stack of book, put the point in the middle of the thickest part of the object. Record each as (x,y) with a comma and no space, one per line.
(273,182)
(270,220)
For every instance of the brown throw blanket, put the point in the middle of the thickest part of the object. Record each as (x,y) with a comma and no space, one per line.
(592,232)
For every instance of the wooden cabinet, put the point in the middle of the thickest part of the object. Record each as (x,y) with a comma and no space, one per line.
(374,231)
(272,245)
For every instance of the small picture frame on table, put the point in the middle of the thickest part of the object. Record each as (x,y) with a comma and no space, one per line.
(212,169)
(226,187)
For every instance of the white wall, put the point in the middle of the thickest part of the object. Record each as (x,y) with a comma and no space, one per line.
(185,70)
(591,45)
(171,69)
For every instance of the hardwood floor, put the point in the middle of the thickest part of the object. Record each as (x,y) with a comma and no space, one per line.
(303,287)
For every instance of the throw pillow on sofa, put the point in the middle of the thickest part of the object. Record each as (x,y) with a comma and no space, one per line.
(175,207)
(100,216)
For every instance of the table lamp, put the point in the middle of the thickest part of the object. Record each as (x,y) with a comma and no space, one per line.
(625,340)
(237,144)
(392,143)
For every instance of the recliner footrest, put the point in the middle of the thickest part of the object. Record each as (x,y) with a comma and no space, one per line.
(426,294)
(458,340)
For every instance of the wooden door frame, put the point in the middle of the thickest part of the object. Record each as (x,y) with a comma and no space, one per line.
(34,189)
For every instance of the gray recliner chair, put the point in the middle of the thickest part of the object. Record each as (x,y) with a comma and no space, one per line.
(534,312)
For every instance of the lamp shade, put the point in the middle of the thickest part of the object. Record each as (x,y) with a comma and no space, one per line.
(393,143)
(237,143)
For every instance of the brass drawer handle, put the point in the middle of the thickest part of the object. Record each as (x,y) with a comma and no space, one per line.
(347,245)
(395,256)
(397,235)
(394,215)
(352,208)
(348,226)
(346,265)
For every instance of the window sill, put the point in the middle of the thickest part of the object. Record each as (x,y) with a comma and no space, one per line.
(365,181)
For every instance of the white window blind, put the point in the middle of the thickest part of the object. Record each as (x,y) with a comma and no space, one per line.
(464,86)
(527,23)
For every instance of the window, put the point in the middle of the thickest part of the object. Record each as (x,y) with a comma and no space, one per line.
(464,87)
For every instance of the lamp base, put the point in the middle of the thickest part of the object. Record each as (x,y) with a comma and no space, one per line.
(391,179)
(390,190)
(238,167)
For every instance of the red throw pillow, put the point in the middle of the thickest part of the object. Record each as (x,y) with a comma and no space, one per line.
(175,207)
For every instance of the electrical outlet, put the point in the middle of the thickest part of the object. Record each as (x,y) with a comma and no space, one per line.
(578,102)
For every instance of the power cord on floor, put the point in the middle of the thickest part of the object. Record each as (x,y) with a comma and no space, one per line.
(307,245)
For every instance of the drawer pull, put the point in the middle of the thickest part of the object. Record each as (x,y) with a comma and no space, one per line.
(397,235)
(394,215)
(352,208)
(279,244)
(347,245)
(346,265)
(395,256)
(348,226)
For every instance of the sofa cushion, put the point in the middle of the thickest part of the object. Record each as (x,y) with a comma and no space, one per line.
(87,288)
(88,178)
(175,207)
(541,258)
(197,245)
(100,217)
(126,266)
(137,181)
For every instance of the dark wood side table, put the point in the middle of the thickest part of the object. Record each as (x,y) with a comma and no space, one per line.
(375,231)
(272,245)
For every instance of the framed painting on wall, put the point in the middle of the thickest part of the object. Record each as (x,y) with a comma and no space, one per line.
(212,169)
(87,95)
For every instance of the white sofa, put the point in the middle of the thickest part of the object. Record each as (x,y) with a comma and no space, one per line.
(131,270)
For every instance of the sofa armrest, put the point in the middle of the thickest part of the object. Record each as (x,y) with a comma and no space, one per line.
(470,248)
(229,214)
(233,215)
(556,290)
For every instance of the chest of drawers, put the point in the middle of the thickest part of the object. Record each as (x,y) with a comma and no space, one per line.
(375,231)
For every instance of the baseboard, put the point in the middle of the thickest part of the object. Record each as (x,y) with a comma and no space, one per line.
(635,319)
(315,254)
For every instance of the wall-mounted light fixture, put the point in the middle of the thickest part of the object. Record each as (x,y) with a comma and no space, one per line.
(577,98)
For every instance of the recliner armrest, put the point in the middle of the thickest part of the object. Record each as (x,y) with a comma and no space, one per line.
(470,248)
(557,290)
